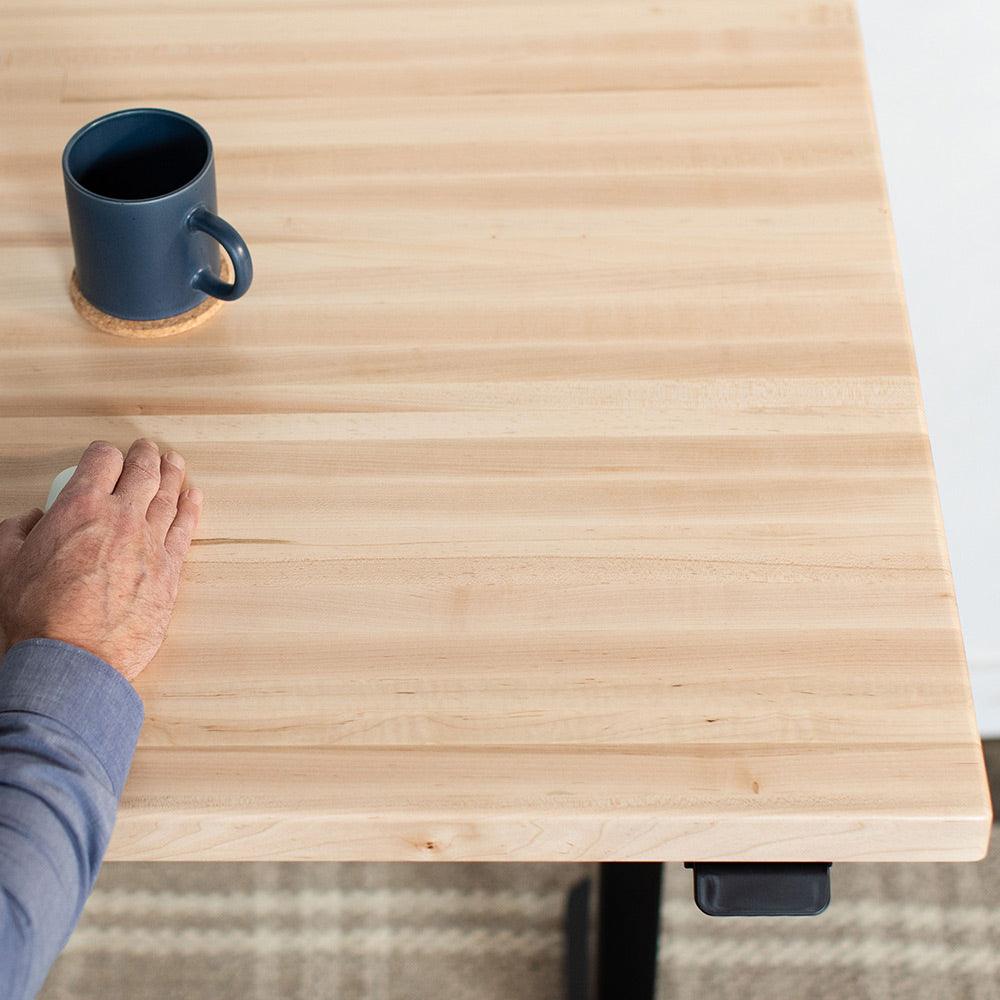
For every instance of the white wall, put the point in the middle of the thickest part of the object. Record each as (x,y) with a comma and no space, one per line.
(935,73)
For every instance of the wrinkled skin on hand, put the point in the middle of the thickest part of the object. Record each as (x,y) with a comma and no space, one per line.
(101,569)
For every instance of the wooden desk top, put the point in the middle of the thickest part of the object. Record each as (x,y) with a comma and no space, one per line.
(568,490)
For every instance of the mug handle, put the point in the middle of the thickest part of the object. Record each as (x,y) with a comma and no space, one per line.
(203,221)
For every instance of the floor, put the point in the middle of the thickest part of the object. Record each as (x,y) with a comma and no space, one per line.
(457,932)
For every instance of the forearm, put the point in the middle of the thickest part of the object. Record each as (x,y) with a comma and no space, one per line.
(68,729)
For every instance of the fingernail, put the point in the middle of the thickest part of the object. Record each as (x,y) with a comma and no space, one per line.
(194,495)
(172,458)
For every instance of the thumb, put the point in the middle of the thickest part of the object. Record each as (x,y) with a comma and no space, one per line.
(14,531)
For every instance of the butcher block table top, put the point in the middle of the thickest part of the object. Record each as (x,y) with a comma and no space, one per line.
(568,494)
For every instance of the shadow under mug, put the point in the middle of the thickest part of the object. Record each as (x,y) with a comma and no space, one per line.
(140,189)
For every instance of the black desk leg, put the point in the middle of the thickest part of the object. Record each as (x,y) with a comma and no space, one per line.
(627,933)
(628,930)
(579,967)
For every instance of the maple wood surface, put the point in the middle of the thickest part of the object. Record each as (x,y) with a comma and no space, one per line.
(568,494)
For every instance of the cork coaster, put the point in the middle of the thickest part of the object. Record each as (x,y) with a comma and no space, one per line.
(148,329)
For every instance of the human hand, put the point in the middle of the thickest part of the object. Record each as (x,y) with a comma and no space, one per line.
(101,569)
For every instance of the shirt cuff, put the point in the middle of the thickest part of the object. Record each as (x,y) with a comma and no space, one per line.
(80,691)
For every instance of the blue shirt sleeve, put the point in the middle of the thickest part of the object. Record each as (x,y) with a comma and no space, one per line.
(69,724)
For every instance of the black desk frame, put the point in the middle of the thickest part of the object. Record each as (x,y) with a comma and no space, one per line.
(621,963)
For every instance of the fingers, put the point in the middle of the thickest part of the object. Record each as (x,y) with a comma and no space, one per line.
(99,468)
(15,530)
(140,477)
(185,523)
(22,524)
(163,508)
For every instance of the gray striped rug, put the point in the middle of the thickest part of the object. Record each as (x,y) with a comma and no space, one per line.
(478,932)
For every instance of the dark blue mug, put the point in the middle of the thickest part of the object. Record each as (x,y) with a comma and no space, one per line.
(140,187)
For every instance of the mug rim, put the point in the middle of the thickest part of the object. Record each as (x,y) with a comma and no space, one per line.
(130,112)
